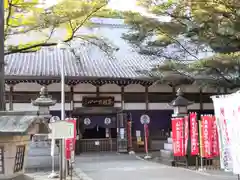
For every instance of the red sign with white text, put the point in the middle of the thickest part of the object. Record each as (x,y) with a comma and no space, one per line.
(177,136)
(194,134)
(70,143)
(186,134)
(215,143)
(206,134)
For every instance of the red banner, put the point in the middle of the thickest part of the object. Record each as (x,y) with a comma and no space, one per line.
(70,143)
(194,134)
(186,134)
(206,135)
(146,137)
(215,143)
(177,136)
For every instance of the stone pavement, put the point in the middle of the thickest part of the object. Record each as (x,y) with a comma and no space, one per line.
(44,176)
(106,166)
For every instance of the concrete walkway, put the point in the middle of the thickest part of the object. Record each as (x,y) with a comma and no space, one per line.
(106,166)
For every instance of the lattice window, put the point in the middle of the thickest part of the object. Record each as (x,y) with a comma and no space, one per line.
(19,158)
(1,160)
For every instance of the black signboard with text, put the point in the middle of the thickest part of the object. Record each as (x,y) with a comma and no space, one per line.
(98,101)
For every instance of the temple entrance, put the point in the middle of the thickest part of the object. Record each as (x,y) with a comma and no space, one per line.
(94,133)
(97,132)
(100,130)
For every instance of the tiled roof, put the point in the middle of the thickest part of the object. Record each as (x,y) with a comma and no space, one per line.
(126,63)
(92,63)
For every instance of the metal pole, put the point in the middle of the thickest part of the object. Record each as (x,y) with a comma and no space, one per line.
(2,80)
(53,173)
(62,142)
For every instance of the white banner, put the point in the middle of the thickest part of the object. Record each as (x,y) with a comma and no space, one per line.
(235,131)
(222,110)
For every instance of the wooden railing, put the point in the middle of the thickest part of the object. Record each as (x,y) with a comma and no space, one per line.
(98,145)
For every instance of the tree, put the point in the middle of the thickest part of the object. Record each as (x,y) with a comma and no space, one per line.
(28,16)
(22,16)
(195,27)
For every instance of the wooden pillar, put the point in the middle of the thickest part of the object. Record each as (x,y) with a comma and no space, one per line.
(173,91)
(122,98)
(201,100)
(146,98)
(97,91)
(11,88)
(71,99)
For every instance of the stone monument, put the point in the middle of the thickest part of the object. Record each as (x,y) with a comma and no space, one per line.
(39,154)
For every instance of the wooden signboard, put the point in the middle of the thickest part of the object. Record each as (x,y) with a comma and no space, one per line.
(98,101)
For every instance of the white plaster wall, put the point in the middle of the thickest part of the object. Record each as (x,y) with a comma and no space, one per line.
(110,88)
(210,90)
(160,88)
(164,106)
(134,88)
(84,88)
(127,106)
(189,88)
(57,87)
(32,87)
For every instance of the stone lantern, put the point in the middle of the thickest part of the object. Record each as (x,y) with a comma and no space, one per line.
(39,154)
(180,105)
(180,109)
(44,101)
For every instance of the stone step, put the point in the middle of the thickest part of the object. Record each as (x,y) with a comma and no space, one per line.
(168,146)
(166,153)
(169,140)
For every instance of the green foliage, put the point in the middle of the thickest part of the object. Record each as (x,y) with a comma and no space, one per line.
(28,16)
(109,13)
(212,23)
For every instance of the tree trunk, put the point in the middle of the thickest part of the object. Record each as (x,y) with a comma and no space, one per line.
(2,78)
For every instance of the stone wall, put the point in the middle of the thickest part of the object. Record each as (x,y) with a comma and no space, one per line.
(10,143)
